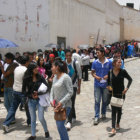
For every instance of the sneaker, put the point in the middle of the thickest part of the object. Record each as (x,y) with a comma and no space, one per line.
(5,128)
(117,127)
(47,135)
(73,120)
(32,138)
(13,122)
(68,126)
(103,117)
(96,121)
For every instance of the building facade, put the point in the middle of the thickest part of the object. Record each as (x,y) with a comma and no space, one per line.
(34,24)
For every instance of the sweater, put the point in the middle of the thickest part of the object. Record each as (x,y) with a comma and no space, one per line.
(62,90)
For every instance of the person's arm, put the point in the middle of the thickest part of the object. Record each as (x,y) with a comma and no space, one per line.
(24,87)
(85,58)
(79,72)
(51,97)
(7,73)
(128,77)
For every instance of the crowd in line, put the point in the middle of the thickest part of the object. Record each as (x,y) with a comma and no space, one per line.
(53,78)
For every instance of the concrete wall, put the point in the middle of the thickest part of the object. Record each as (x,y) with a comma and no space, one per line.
(77,20)
(33,24)
(25,22)
(131,24)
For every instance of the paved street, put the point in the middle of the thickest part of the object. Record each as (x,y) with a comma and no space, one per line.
(84,129)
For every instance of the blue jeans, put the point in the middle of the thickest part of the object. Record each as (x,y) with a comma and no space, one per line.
(98,94)
(8,98)
(17,98)
(33,105)
(61,127)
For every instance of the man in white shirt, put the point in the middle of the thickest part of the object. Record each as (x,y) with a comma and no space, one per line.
(76,56)
(86,62)
(17,92)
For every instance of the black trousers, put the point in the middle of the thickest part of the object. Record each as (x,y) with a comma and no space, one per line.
(72,112)
(116,112)
(85,72)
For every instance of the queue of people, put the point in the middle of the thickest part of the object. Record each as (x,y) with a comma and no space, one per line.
(39,80)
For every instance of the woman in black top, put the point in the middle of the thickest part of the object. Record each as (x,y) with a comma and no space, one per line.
(116,81)
(31,83)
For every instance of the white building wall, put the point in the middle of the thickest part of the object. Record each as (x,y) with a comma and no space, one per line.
(33,24)
(25,22)
(78,19)
(131,24)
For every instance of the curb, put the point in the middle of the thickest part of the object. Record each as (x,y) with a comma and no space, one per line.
(126,61)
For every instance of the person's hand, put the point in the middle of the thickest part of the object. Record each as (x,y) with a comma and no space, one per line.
(52,104)
(98,78)
(78,90)
(59,106)
(51,78)
(105,77)
(35,95)
(109,88)
(125,90)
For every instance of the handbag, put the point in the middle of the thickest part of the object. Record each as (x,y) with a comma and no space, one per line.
(60,115)
(117,102)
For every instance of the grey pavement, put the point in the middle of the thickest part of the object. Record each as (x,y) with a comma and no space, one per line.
(84,129)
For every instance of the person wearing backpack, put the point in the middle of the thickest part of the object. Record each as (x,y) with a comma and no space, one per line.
(74,71)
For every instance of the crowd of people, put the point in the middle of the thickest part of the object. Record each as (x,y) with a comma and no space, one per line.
(37,80)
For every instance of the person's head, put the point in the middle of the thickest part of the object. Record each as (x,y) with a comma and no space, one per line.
(117,53)
(68,56)
(40,62)
(39,50)
(31,56)
(51,58)
(24,60)
(40,55)
(17,55)
(32,69)
(9,57)
(117,62)
(59,67)
(25,53)
(73,51)
(54,49)
(100,53)
(60,49)
(86,52)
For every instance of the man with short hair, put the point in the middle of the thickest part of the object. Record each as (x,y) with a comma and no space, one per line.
(117,53)
(48,65)
(74,71)
(8,79)
(100,69)
(17,92)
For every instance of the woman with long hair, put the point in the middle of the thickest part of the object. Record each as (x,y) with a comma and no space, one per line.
(116,85)
(41,67)
(61,94)
(32,82)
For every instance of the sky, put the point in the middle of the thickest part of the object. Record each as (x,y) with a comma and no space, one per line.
(136,3)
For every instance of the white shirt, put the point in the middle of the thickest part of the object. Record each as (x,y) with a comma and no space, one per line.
(5,68)
(86,60)
(77,57)
(18,78)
